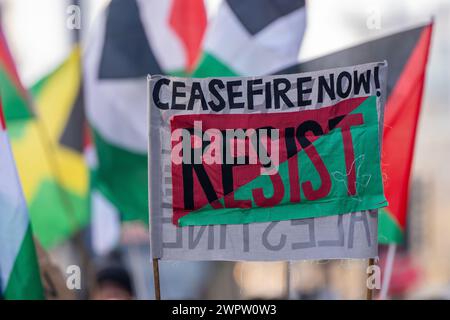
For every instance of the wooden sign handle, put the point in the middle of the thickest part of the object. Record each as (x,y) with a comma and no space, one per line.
(369,293)
(156,279)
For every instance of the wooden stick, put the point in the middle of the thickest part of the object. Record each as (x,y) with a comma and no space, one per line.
(369,293)
(156,279)
(288,280)
(388,271)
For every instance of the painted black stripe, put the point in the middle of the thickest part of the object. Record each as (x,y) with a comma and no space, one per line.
(126,50)
(395,49)
(73,133)
(255,15)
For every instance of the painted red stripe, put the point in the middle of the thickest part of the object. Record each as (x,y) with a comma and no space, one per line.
(401,118)
(188,20)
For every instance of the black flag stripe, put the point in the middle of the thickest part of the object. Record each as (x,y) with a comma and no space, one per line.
(395,49)
(126,51)
(255,15)
(73,133)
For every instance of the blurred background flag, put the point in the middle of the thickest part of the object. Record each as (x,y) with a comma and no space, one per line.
(253,37)
(134,38)
(407,55)
(401,119)
(19,270)
(15,98)
(49,155)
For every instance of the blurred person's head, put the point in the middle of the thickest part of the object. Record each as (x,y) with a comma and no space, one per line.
(113,283)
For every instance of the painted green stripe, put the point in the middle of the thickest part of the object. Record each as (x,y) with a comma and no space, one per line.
(388,229)
(368,181)
(122,176)
(25,282)
(50,219)
(15,105)
(211,66)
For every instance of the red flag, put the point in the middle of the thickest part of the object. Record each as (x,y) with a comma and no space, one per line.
(406,53)
(400,127)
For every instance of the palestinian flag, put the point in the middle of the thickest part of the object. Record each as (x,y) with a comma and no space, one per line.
(253,37)
(133,39)
(407,54)
(49,155)
(19,270)
(14,97)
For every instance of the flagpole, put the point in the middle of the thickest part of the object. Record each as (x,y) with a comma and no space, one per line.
(288,280)
(70,211)
(369,293)
(388,266)
(156,283)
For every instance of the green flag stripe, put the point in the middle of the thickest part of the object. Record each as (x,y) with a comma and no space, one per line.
(210,66)
(49,225)
(389,231)
(24,282)
(121,176)
(15,105)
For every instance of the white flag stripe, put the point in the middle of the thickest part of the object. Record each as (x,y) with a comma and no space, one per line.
(125,99)
(105,222)
(166,44)
(14,219)
(273,48)
(116,107)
